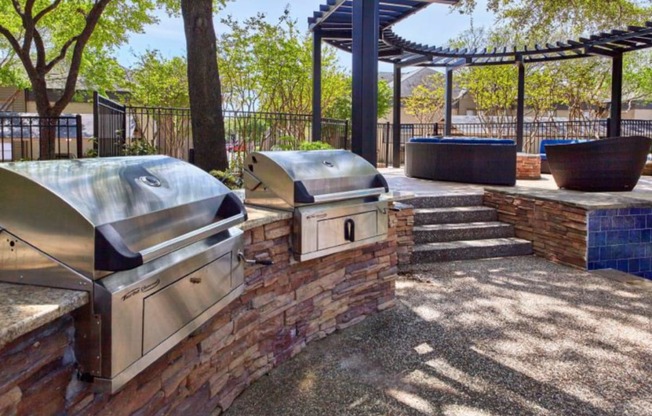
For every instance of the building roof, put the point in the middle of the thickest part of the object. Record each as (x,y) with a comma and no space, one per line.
(411,80)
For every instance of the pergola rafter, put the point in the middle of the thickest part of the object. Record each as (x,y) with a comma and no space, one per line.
(364,28)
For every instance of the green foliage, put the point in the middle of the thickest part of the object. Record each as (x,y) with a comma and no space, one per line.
(291,143)
(316,145)
(140,147)
(159,82)
(427,100)
(385,96)
(494,89)
(268,67)
(286,143)
(638,76)
(173,7)
(342,105)
(538,17)
(65,39)
(228,178)
(92,152)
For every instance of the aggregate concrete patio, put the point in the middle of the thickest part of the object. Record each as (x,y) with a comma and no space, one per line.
(509,336)
(505,336)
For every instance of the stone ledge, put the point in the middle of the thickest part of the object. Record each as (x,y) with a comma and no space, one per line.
(25,308)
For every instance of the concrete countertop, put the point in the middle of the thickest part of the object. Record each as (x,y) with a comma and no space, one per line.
(263,216)
(24,308)
(586,200)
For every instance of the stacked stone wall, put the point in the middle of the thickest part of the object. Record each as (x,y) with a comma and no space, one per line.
(528,166)
(558,231)
(284,307)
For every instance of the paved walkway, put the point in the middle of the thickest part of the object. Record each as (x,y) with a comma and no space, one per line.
(398,182)
(510,336)
(517,336)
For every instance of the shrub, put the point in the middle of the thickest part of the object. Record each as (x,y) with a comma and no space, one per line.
(314,146)
(228,178)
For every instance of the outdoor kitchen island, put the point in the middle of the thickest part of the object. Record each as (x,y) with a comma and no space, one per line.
(284,306)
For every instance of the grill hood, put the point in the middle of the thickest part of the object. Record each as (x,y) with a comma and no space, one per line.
(297,178)
(124,211)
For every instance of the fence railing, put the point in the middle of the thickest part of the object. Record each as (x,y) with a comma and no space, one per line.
(534,132)
(21,137)
(170,130)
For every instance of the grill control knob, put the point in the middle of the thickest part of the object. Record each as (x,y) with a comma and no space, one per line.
(150,181)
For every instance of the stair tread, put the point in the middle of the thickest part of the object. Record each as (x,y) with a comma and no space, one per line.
(462,226)
(448,200)
(461,244)
(452,209)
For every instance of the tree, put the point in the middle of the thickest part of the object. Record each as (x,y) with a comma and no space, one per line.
(427,100)
(342,106)
(538,17)
(204,87)
(637,74)
(268,66)
(159,82)
(34,30)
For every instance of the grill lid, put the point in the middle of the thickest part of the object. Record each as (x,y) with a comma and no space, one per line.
(113,213)
(309,177)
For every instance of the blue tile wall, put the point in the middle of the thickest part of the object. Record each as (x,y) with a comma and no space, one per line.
(620,239)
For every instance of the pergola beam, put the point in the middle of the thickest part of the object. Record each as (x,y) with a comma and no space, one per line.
(448,102)
(616,95)
(396,132)
(316,85)
(364,116)
(520,105)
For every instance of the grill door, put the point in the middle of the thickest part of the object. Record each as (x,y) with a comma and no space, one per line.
(169,309)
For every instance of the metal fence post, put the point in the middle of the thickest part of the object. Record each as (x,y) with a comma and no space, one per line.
(80,144)
(387,130)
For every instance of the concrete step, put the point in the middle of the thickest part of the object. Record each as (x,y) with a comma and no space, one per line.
(443,201)
(436,233)
(470,249)
(454,215)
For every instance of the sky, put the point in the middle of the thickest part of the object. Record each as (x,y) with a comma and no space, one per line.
(434,26)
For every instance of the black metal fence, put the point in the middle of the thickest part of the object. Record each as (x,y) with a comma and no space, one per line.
(534,132)
(109,127)
(20,136)
(169,130)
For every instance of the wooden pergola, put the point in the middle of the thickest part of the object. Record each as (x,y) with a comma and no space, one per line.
(364,28)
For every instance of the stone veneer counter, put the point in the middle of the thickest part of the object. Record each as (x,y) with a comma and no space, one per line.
(592,231)
(25,308)
(283,308)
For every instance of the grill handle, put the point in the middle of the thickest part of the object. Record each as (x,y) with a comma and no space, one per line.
(181,241)
(349,230)
(340,196)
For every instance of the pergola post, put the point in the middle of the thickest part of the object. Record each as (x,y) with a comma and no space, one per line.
(520,105)
(616,95)
(364,115)
(316,85)
(448,103)
(396,133)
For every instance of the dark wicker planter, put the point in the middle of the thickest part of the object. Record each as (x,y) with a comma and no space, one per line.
(613,164)
(490,162)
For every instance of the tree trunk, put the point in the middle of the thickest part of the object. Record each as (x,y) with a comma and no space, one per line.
(204,87)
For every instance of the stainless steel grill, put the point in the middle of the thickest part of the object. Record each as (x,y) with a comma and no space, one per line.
(152,239)
(334,195)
